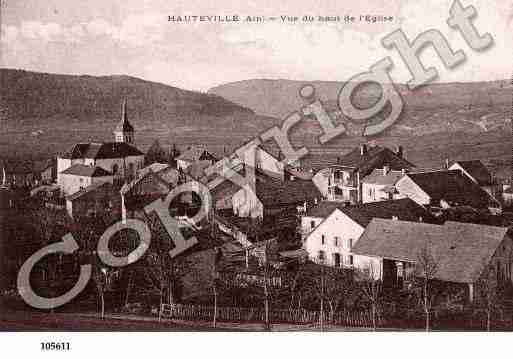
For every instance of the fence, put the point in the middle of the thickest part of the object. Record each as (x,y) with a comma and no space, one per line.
(296,316)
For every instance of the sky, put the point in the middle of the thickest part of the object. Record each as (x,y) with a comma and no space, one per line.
(134,37)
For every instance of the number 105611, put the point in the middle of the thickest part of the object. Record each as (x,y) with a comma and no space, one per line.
(55,346)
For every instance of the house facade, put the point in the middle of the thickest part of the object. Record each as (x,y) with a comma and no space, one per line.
(343,181)
(467,257)
(332,230)
(78,177)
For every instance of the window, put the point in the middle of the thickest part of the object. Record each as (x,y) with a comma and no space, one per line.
(350,260)
(336,259)
(322,239)
(336,242)
(321,256)
(312,224)
(115,168)
(350,243)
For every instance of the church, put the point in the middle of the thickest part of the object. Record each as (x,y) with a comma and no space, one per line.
(92,163)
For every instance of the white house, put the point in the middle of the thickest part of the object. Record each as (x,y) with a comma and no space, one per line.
(121,159)
(343,181)
(79,176)
(333,236)
(380,185)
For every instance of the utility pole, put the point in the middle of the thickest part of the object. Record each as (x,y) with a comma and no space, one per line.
(322,295)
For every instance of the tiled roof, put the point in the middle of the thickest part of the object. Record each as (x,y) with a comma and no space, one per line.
(89,189)
(453,187)
(102,150)
(355,159)
(87,171)
(404,209)
(276,193)
(196,153)
(378,177)
(459,250)
(477,170)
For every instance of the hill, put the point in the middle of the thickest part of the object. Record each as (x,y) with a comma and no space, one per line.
(440,107)
(40,109)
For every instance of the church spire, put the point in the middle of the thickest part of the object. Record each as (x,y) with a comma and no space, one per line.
(124,131)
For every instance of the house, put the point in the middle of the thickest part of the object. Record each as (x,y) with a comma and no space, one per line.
(45,172)
(17,173)
(477,172)
(94,200)
(153,182)
(343,181)
(272,197)
(331,229)
(463,254)
(79,176)
(194,154)
(444,189)
(379,185)
(120,158)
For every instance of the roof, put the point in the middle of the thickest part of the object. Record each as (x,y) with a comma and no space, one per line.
(404,209)
(460,250)
(86,171)
(453,187)
(102,150)
(154,167)
(477,170)
(374,156)
(89,189)
(275,193)
(378,177)
(324,208)
(196,153)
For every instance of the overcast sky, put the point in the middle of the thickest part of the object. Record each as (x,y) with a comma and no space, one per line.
(103,37)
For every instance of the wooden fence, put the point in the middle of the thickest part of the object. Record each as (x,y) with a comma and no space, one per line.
(296,316)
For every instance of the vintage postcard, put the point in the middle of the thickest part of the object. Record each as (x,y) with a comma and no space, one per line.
(257,166)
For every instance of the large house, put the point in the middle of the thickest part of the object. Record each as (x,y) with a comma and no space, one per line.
(118,160)
(444,189)
(461,255)
(330,229)
(343,181)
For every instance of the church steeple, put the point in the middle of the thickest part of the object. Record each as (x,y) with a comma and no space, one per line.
(124,131)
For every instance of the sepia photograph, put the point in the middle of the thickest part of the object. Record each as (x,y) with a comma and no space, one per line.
(340,171)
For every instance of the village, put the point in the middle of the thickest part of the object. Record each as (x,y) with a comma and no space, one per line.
(369,240)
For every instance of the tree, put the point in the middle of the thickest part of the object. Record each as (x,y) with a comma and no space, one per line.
(372,290)
(426,268)
(155,154)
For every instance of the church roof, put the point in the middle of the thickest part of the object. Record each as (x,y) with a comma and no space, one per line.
(102,150)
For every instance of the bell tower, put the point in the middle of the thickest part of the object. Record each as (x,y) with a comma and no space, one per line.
(124,131)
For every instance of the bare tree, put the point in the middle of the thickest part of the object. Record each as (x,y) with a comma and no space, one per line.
(371,288)
(426,268)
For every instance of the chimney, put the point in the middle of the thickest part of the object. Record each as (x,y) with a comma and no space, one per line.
(363,149)
(446,163)
(338,160)
(399,151)
(403,171)
(386,169)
